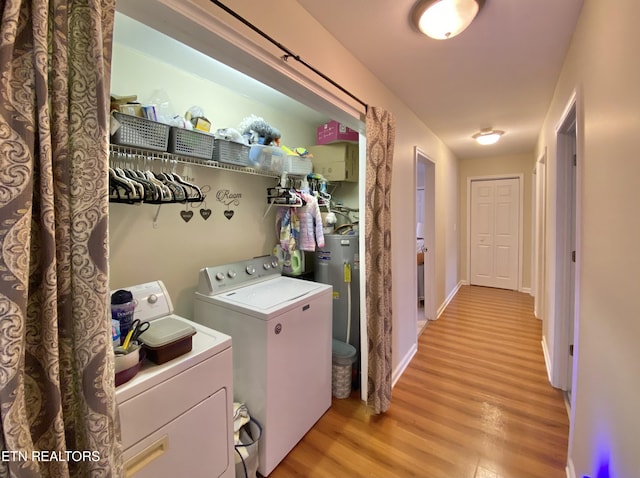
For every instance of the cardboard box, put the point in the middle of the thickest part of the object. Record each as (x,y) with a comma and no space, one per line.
(202,125)
(333,132)
(132,109)
(336,162)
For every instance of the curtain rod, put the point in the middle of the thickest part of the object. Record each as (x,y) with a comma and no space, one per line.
(288,53)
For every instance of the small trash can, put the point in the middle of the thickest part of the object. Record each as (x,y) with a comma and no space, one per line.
(246,459)
(341,373)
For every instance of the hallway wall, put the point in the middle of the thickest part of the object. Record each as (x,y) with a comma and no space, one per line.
(602,65)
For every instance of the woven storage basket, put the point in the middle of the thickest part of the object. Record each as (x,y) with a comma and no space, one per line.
(341,379)
(231,153)
(140,133)
(190,143)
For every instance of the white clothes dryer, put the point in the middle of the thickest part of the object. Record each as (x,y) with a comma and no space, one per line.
(282,331)
(177,418)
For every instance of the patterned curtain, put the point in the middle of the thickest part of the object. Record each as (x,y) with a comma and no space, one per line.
(58,414)
(381,131)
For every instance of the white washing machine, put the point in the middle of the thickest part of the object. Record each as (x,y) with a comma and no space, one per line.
(282,330)
(177,417)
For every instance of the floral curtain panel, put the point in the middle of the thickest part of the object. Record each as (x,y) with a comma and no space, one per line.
(58,414)
(380,130)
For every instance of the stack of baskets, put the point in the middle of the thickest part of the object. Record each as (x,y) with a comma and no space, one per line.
(142,133)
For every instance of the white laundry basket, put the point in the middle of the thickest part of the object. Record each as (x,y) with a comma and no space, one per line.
(341,371)
(246,460)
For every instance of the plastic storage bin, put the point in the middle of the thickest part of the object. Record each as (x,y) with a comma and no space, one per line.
(230,152)
(140,133)
(297,165)
(191,143)
(342,367)
(167,339)
(266,158)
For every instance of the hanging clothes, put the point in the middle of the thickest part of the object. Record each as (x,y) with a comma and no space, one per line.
(288,228)
(310,228)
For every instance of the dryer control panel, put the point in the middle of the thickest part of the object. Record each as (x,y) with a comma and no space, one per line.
(216,279)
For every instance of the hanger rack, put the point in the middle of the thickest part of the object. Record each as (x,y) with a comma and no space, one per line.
(288,192)
(138,180)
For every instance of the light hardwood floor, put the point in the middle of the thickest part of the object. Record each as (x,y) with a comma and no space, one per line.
(475,402)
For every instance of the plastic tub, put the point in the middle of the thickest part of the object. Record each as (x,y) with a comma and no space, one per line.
(266,158)
(297,165)
(167,339)
(343,356)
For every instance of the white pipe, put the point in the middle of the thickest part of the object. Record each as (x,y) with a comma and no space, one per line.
(348,306)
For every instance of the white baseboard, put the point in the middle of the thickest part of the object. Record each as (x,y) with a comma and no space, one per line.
(571,472)
(547,359)
(404,363)
(449,298)
(526,290)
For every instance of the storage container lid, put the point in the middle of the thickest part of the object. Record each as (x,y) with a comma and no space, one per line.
(121,297)
(343,350)
(166,331)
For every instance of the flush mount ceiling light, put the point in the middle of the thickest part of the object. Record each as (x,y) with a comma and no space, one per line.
(488,136)
(443,19)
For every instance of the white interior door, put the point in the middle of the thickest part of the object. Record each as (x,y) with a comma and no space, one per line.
(494,254)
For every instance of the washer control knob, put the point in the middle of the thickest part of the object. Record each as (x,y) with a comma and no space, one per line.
(274,263)
(266,266)
(220,276)
(250,270)
(152,299)
(231,273)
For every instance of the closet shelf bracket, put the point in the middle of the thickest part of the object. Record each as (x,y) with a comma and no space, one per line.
(155,218)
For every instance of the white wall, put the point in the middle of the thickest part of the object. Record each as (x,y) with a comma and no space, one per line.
(602,64)
(292,26)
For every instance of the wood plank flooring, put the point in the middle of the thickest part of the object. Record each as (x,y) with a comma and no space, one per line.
(475,402)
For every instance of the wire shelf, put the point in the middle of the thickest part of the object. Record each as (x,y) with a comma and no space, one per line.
(131,153)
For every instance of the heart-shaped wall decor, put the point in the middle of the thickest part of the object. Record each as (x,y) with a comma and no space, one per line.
(228,214)
(205,213)
(186,215)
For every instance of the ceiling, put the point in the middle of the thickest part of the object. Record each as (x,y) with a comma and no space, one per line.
(500,73)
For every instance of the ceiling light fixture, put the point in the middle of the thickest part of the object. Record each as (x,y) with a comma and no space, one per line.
(488,136)
(443,19)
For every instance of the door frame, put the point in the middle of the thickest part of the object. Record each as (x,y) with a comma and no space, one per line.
(565,278)
(540,234)
(520,178)
(429,224)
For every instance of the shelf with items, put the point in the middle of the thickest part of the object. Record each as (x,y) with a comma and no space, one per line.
(128,153)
